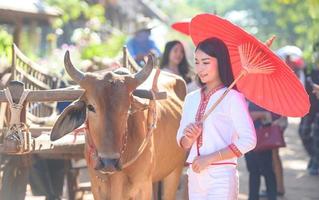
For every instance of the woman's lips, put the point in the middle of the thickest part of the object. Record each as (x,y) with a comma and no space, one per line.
(203,75)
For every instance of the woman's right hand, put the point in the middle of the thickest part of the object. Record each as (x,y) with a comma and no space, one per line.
(192,131)
(267,118)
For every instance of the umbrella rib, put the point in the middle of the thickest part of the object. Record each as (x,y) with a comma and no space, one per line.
(275,97)
(252,63)
(269,91)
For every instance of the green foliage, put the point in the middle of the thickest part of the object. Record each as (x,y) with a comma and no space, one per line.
(74,9)
(298,22)
(110,48)
(294,22)
(5,45)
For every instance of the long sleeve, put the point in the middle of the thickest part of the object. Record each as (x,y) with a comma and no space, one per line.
(183,123)
(243,125)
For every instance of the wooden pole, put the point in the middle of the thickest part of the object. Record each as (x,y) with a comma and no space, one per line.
(16,171)
(242,74)
(14,62)
(49,95)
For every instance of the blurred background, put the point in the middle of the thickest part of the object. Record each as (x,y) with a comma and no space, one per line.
(96,30)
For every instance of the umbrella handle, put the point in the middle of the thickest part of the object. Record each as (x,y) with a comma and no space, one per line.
(242,74)
(269,42)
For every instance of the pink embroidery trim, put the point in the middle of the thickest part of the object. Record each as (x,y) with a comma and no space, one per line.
(235,150)
(201,111)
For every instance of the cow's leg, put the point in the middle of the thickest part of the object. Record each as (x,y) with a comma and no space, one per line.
(145,191)
(170,184)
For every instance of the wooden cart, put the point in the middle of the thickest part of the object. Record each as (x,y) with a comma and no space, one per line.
(40,105)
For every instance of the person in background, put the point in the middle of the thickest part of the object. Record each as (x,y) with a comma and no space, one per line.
(260,163)
(140,45)
(174,61)
(297,65)
(309,125)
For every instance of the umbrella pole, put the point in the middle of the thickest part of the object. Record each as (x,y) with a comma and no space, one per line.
(242,74)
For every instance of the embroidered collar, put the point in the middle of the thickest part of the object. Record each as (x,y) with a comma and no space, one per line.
(201,111)
(205,96)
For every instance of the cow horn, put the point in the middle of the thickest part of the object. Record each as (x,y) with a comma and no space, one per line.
(73,72)
(142,75)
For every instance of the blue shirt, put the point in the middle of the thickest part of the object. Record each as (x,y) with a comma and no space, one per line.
(136,47)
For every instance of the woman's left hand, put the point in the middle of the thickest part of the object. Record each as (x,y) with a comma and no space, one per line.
(200,163)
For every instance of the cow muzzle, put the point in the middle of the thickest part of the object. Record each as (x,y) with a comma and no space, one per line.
(107,165)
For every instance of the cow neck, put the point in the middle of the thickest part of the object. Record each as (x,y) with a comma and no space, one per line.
(201,111)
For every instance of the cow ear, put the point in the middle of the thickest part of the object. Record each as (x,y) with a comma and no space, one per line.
(71,118)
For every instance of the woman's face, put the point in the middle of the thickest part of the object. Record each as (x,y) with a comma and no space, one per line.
(206,67)
(176,55)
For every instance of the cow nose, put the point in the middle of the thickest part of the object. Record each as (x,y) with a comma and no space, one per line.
(109,165)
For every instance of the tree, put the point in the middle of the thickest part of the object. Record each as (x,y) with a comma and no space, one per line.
(294,22)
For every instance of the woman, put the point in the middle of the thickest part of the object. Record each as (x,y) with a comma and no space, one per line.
(260,163)
(226,134)
(174,61)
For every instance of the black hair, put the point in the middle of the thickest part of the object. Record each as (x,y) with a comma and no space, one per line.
(183,67)
(216,48)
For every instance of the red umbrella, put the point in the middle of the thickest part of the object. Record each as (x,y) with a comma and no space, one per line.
(182,27)
(272,85)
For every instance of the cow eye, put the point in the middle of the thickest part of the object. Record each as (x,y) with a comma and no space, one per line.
(91,108)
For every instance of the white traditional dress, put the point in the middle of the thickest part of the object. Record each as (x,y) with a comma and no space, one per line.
(228,126)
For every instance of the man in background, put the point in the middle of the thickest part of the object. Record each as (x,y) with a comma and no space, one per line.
(140,45)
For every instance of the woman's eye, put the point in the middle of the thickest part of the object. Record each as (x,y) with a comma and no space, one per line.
(91,108)
(206,63)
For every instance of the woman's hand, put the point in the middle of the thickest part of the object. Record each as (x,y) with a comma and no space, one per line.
(200,163)
(267,118)
(191,133)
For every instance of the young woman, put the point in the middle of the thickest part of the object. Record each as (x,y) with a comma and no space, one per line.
(174,60)
(226,134)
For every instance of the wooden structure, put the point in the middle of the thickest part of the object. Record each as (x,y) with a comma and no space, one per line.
(125,15)
(15,168)
(33,12)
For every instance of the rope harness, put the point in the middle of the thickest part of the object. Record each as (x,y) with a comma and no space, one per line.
(17,137)
(91,150)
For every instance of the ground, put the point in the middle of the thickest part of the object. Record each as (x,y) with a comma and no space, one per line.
(299,185)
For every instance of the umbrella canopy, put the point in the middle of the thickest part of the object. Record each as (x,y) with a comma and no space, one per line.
(273,85)
(182,27)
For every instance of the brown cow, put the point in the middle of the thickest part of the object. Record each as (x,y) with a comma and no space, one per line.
(106,105)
